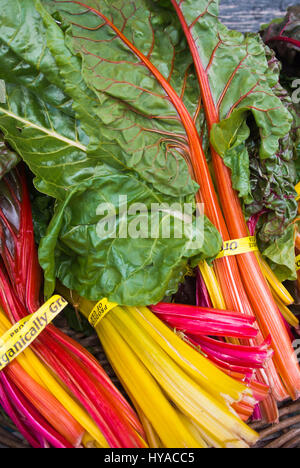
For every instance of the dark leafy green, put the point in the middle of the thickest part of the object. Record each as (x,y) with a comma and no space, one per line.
(42,212)
(284,172)
(283,35)
(272,186)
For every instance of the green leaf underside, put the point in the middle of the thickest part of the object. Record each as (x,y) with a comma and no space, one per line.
(134,271)
(56,117)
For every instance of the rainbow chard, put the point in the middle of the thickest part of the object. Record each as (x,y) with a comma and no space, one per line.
(131,139)
(235,82)
(18,250)
(142,120)
(244,358)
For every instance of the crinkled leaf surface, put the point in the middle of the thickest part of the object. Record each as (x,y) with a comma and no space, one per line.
(47,139)
(37,118)
(273,179)
(82,164)
(292,86)
(132,107)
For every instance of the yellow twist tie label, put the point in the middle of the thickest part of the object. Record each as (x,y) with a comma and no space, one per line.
(297,263)
(23,333)
(238,246)
(100,310)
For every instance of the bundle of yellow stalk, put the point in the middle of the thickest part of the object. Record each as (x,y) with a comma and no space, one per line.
(183,400)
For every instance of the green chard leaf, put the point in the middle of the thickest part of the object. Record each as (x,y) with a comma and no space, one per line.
(125,99)
(46,139)
(89,140)
(130,270)
(37,118)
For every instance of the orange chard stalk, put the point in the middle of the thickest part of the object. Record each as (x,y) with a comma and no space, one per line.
(257,289)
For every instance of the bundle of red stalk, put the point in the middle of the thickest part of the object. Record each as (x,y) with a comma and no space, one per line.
(238,353)
(196,325)
(55,392)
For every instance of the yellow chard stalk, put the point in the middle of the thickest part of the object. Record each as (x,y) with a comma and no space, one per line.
(183,398)
(212,285)
(148,394)
(277,287)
